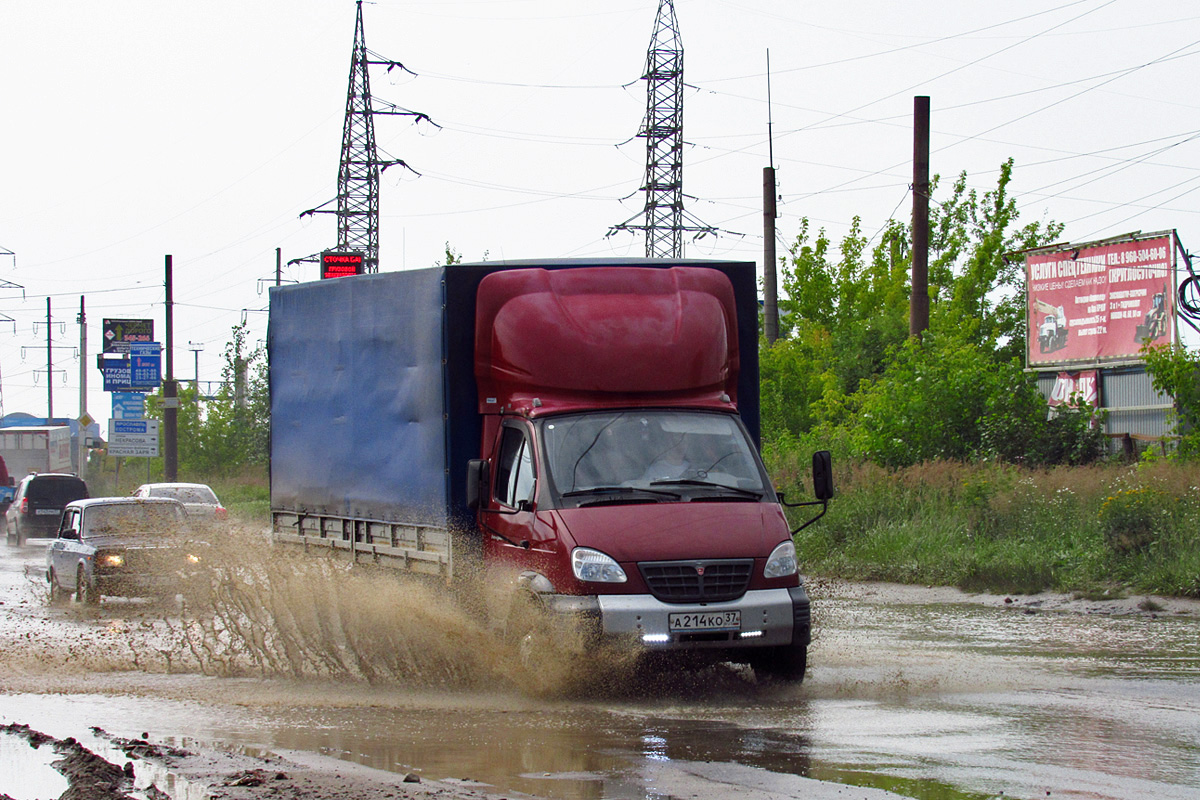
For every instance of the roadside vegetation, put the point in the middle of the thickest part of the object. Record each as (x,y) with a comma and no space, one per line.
(948,468)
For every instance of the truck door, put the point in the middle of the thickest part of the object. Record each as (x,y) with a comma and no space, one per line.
(513,533)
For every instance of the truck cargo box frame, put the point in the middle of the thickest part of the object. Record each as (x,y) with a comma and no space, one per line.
(420,325)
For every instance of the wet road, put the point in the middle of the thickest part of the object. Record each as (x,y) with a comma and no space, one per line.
(925,693)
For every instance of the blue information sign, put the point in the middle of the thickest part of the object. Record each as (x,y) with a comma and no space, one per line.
(128,405)
(140,370)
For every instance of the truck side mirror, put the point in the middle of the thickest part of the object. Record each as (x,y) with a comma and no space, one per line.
(822,467)
(477,482)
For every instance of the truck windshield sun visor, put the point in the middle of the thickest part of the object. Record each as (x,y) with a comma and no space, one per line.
(643,454)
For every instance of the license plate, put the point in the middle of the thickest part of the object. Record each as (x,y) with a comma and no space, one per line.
(705,621)
(46,512)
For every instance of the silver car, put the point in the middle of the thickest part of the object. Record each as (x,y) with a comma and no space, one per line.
(121,546)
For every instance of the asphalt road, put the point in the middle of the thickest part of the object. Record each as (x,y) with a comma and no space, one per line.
(923,693)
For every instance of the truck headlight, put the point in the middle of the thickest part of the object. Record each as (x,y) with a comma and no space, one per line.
(782,561)
(593,566)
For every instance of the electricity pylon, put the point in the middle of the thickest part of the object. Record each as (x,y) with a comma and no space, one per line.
(663,218)
(361,163)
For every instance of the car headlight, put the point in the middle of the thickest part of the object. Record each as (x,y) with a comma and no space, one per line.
(192,558)
(782,561)
(593,566)
(112,560)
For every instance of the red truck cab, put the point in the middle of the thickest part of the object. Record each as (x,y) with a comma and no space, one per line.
(617,481)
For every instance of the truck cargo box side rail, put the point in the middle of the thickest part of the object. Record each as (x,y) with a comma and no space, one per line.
(421,549)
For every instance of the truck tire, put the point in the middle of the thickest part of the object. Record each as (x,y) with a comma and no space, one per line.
(85,590)
(58,595)
(787,662)
(525,629)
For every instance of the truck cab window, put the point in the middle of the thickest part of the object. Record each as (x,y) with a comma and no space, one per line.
(514,474)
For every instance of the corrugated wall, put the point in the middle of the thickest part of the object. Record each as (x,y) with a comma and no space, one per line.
(1133,406)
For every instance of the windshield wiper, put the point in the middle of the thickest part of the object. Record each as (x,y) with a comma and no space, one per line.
(708,485)
(621,490)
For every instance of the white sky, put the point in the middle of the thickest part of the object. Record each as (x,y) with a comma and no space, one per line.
(130,129)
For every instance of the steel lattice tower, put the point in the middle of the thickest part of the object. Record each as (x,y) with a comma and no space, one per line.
(358,174)
(663,218)
(361,165)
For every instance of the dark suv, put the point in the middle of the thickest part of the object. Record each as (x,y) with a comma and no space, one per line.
(38,504)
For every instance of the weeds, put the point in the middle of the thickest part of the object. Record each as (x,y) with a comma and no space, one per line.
(995,527)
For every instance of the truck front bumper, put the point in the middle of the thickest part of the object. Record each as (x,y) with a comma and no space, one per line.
(768,618)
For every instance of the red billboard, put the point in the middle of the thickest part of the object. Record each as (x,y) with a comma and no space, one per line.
(1100,302)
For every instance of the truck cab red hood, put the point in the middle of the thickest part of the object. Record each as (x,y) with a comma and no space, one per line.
(677,531)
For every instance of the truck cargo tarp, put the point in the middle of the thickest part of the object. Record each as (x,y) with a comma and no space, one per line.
(368,348)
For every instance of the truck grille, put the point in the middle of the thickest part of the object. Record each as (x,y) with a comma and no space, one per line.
(697,581)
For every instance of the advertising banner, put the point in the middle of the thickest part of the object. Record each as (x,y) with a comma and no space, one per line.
(119,334)
(1072,387)
(1098,303)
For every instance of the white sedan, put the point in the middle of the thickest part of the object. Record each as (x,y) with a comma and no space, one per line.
(198,499)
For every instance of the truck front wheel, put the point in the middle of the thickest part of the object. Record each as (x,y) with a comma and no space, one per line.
(788,663)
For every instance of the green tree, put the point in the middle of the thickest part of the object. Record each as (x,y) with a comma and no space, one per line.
(1175,371)
(220,435)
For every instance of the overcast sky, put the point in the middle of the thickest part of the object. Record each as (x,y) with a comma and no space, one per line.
(130,129)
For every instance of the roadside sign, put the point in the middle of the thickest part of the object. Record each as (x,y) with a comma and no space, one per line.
(340,265)
(138,368)
(120,333)
(145,365)
(128,405)
(133,437)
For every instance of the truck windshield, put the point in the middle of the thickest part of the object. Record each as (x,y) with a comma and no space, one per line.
(650,456)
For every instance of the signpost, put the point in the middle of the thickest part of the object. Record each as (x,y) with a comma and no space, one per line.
(133,437)
(128,405)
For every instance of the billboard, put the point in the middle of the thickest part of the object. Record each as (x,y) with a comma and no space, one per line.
(1100,302)
(340,265)
(120,333)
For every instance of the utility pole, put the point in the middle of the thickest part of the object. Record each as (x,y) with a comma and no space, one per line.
(663,218)
(361,165)
(49,368)
(770,281)
(918,312)
(83,412)
(170,390)
(196,347)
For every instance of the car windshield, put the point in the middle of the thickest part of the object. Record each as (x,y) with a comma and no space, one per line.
(132,519)
(186,494)
(647,454)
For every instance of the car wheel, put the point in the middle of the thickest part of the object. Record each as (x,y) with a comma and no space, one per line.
(58,595)
(9,538)
(787,663)
(20,535)
(85,591)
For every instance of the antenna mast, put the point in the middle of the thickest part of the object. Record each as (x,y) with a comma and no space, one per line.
(663,217)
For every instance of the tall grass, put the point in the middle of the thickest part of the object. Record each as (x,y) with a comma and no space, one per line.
(995,527)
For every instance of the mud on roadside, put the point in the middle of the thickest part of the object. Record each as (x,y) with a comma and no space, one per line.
(162,772)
